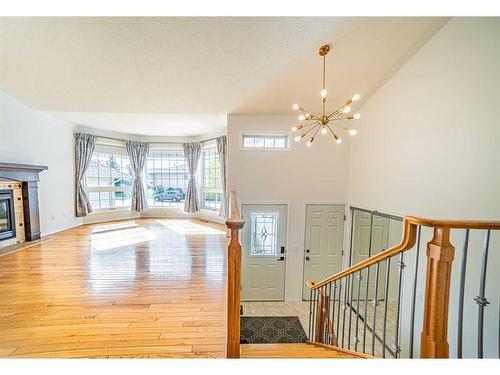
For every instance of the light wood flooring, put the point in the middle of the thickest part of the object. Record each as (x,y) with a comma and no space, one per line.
(141,288)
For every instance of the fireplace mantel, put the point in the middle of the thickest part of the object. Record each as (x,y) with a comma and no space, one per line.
(28,175)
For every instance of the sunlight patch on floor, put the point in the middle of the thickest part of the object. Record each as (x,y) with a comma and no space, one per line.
(188,227)
(115,226)
(111,239)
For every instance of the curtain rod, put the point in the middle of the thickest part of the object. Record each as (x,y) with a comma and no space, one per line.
(174,142)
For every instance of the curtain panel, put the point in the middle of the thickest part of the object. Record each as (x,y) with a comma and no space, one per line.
(137,154)
(222,151)
(192,152)
(84,148)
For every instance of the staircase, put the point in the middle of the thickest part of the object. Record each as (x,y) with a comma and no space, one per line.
(346,321)
(309,350)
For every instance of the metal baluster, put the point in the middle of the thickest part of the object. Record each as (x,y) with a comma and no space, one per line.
(401,265)
(461,295)
(338,311)
(414,292)
(310,313)
(350,313)
(386,297)
(325,313)
(367,282)
(481,299)
(313,337)
(375,304)
(346,291)
(356,339)
(333,333)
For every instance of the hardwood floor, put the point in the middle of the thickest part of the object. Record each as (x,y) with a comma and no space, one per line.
(138,288)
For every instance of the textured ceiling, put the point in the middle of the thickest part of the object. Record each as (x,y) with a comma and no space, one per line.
(195,65)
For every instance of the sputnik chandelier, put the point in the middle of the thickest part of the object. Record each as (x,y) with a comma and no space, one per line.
(326,122)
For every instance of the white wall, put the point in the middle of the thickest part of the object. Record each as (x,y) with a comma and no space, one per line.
(31,137)
(428,145)
(317,173)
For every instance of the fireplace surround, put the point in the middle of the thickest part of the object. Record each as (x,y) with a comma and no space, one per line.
(28,176)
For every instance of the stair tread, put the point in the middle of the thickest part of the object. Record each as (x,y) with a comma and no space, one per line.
(299,350)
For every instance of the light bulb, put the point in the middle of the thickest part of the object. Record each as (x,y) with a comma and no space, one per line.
(346,109)
(324,93)
(296,106)
(357,116)
(302,118)
(323,131)
(352,132)
(294,128)
(355,97)
(298,138)
(338,140)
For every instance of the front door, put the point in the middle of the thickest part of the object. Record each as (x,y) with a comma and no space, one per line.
(323,243)
(263,252)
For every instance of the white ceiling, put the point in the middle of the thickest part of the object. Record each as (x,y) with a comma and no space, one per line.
(163,76)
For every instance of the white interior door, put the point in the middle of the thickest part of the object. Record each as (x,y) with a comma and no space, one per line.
(361,248)
(323,242)
(263,257)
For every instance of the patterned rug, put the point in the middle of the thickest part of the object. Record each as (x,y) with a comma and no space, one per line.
(271,330)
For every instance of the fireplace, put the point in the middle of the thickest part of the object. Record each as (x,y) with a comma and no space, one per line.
(7,216)
(23,179)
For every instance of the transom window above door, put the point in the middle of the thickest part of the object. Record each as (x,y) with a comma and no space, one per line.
(265,141)
(264,233)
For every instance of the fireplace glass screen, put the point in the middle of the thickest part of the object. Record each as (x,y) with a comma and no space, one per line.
(7,227)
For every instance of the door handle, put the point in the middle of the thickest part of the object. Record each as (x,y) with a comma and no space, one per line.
(308,251)
(307,258)
(280,259)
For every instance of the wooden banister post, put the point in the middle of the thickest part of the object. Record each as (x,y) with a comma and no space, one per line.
(234,224)
(440,255)
(322,316)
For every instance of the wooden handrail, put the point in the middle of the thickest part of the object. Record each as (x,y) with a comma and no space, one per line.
(409,237)
(234,223)
(454,224)
(410,224)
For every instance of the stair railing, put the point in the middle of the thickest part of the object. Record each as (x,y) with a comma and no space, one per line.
(234,224)
(334,299)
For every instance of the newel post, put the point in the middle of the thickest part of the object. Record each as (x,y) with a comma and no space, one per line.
(234,224)
(440,254)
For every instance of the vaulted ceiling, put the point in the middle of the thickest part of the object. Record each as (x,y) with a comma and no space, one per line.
(98,70)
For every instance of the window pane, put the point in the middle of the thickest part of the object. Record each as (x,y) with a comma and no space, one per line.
(167,178)
(264,233)
(211,183)
(109,170)
(271,141)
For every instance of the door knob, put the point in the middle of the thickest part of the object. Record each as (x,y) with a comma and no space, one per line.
(307,258)
(308,251)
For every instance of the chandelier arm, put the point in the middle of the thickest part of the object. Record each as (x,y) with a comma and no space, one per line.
(339,118)
(304,134)
(316,132)
(309,124)
(331,131)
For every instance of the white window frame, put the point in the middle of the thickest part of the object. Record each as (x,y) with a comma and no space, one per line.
(265,134)
(201,177)
(113,148)
(163,147)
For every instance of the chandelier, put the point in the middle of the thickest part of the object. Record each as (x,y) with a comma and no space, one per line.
(326,122)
